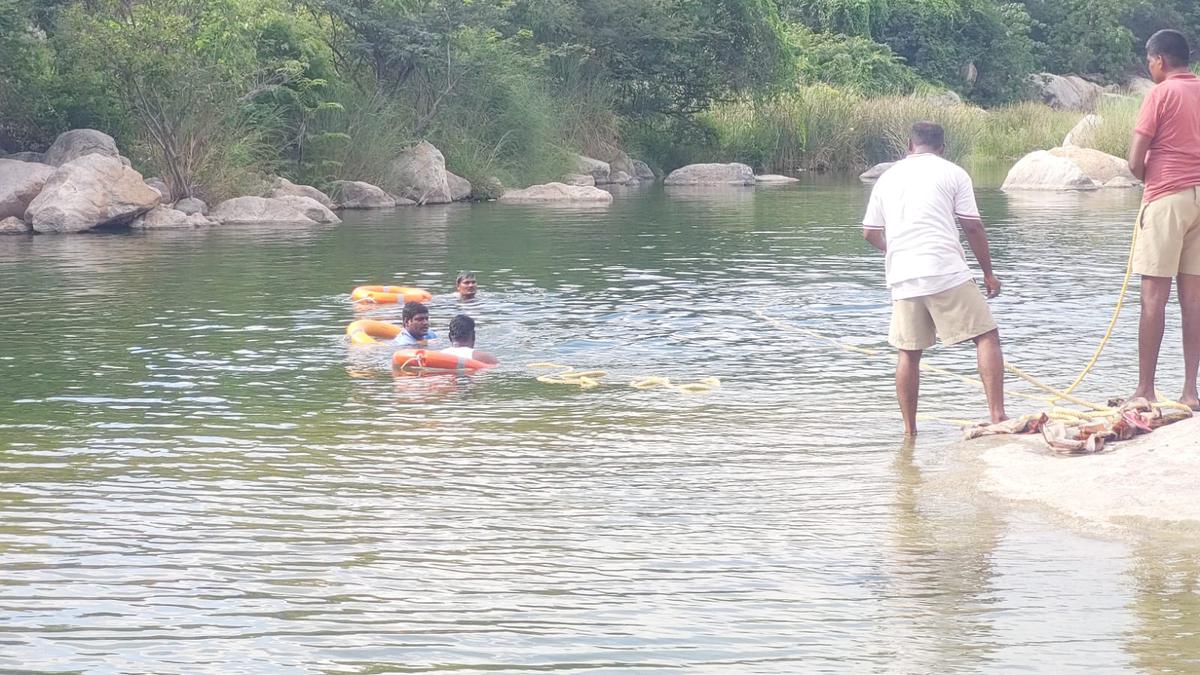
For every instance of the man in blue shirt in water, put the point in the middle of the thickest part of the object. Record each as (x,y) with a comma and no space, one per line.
(416,333)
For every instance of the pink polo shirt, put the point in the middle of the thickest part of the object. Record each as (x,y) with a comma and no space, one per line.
(1170,116)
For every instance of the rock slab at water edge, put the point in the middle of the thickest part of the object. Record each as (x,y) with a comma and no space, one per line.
(71,145)
(166,218)
(775,179)
(14,225)
(246,210)
(711,174)
(558,193)
(90,191)
(355,194)
(283,187)
(20,182)
(1151,476)
(419,174)
(872,174)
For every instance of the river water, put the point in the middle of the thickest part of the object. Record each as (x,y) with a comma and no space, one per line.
(197,475)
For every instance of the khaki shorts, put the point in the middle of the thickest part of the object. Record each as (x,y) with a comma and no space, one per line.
(1168,238)
(954,315)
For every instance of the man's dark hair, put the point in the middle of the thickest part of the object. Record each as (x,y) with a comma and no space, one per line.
(462,329)
(412,309)
(463,276)
(928,134)
(1171,45)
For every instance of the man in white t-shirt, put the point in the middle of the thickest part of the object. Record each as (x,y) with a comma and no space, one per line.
(914,215)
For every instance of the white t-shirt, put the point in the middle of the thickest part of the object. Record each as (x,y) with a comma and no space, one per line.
(917,203)
(460,352)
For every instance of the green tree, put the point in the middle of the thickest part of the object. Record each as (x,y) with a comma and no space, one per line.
(1087,37)
(666,56)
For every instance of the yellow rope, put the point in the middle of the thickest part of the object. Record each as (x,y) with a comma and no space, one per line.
(588,379)
(1112,324)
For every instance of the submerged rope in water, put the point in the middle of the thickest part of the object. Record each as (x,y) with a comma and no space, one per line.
(588,379)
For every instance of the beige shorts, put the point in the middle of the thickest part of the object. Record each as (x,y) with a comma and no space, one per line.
(1168,238)
(954,315)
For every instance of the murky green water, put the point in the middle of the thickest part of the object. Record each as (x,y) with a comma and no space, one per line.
(196,475)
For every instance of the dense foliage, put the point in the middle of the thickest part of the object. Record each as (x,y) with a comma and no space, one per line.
(211,94)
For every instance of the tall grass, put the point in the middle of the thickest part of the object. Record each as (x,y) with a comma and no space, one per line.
(820,128)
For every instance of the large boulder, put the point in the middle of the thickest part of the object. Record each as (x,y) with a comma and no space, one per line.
(258,210)
(20,182)
(312,208)
(711,174)
(35,157)
(355,194)
(1041,170)
(1104,169)
(460,188)
(872,174)
(1069,92)
(620,178)
(166,218)
(14,226)
(559,193)
(642,171)
(72,145)
(191,206)
(93,190)
(1084,132)
(419,174)
(945,99)
(598,170)
(283,187)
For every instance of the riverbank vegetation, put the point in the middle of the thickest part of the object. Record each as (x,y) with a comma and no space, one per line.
(217,94)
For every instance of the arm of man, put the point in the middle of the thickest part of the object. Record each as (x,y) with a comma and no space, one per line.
(1139,145)
(874,221)
(978,241)
(875,237)
(1144,130)
(486,357)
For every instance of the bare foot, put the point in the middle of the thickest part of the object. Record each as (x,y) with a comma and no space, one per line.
(996,419)
(1191,400)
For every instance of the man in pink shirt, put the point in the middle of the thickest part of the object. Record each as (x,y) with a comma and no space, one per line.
(1165,153)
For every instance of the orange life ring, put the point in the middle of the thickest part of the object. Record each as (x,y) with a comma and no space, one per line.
(369,331)
(416,361)
(389,294)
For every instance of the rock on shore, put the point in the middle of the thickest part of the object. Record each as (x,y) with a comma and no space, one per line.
(711,174)
(1069,168)
(558,193)
(20,183)
(88,192)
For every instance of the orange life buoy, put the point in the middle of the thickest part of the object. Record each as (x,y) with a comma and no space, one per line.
(369,331)
(415,361)
(389,294)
